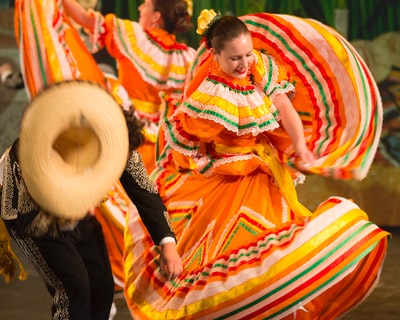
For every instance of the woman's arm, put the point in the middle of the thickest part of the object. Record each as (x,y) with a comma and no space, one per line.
(79,14)
(292,124)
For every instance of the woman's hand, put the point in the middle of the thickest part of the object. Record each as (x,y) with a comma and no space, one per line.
(79,14)
(306,156)
(292,124)
(170,261)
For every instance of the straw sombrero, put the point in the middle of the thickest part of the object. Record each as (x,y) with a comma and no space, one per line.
(73,147)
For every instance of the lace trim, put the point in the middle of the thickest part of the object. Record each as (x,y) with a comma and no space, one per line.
(177,141)
(137,170)
(268,122)
(269,80)
(43,224)
(66,59)
(96,41)
(34,255)
(15,201)
(240,109)
(15,197)
(147,54)
(168,219)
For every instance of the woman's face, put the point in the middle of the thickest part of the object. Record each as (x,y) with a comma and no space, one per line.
(236,57)
(148,18)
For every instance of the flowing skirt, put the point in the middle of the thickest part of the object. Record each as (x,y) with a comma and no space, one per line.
(112,215)
(247,256)
(248,252)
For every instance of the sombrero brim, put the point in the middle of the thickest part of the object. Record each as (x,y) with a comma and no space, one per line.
(73,147)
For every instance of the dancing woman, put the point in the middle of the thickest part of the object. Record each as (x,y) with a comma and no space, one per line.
(234,149)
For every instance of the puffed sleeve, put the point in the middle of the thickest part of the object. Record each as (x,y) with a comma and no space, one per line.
(103,32)
(271,78)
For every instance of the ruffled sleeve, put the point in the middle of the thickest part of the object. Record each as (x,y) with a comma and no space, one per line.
(97,36)
(220,111)
(271,78)
(160,60)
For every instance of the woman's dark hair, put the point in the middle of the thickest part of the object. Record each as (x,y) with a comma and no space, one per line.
(222,30)
(175,15)
(135,129)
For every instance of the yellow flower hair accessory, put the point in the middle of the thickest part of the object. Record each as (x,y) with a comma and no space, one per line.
(205,19)
(189,5)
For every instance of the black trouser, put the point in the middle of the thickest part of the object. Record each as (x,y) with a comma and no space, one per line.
(75,269)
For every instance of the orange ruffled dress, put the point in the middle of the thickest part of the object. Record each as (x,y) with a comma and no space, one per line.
(226,174)
(148,61)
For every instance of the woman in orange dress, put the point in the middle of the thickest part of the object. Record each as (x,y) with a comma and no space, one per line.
(149,60)
(234,150)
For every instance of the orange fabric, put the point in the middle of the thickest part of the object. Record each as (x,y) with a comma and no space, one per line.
(85,62)
(128,74)
(111,214)
(201,73)
(238,239)
(250,249)
(52,50)
(149,160)
(124,46)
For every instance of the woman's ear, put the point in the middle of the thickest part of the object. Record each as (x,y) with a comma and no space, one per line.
(157,19)
(213,54)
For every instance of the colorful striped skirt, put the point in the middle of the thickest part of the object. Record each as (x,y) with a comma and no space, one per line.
(246,256)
